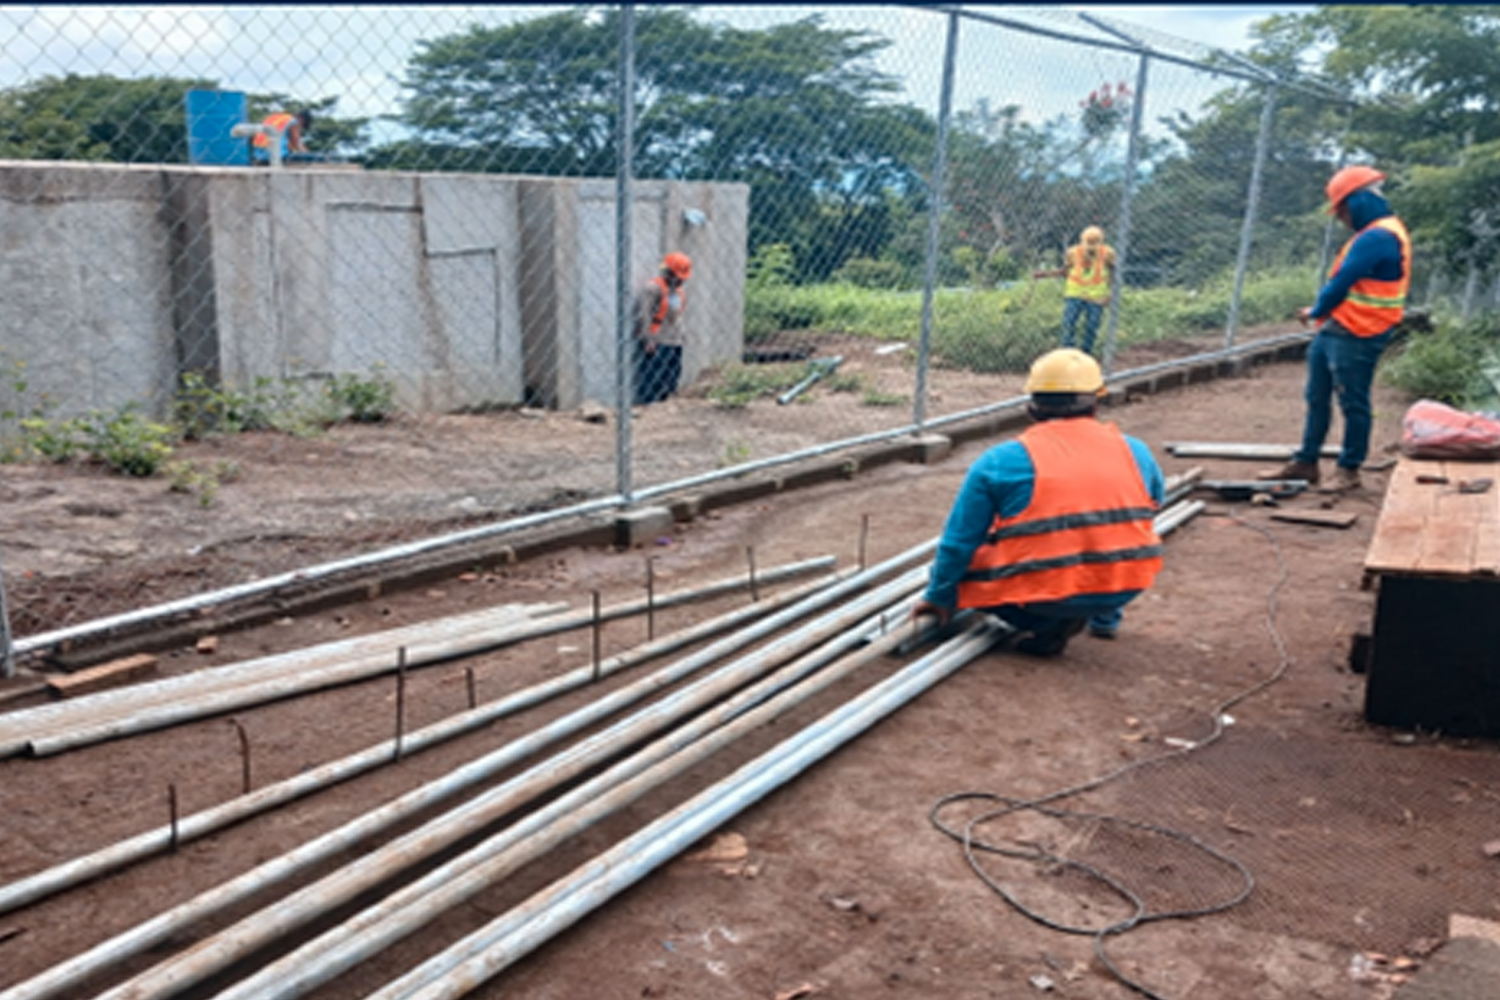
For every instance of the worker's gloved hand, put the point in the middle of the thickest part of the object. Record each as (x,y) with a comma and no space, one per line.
(1305,315)
(926,609)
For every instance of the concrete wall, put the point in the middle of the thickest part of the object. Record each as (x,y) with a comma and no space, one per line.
(466,290)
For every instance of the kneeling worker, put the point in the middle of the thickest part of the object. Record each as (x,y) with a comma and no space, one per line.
(1052,531)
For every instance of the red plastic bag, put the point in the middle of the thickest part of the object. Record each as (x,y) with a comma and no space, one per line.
(1433,430)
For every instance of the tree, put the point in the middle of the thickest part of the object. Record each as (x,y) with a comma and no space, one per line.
(97,118)
(796,110)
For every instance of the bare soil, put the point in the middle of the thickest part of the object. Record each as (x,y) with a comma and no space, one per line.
(1359,839)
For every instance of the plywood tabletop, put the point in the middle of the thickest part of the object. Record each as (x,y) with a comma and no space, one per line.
(1434,529)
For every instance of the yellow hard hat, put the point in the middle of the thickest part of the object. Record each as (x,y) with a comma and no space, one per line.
(1066,369)
(1093,234)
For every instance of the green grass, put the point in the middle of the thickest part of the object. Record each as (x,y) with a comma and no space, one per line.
(1004,330)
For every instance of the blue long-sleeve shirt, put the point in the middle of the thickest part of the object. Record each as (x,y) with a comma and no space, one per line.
(1375,253)
(1000,483)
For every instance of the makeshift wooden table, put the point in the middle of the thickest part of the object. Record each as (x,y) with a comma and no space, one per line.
(1435,658)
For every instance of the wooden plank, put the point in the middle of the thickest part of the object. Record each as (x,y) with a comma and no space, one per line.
(103,676)
(1432,529)
(1397,542)
(1321,518)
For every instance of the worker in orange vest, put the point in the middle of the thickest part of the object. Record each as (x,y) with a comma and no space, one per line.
(1361,305)
(292,129)
(1053,531)
(659,334)
(1089,270)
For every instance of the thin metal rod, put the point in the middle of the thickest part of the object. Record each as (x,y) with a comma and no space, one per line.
(469,687)
(172,813)
(400,701)
(864,538)
(598,638)
(754,580)
(244,738)
(1127,199)
(7,648)
(650,597)
(78,870)
(934,217)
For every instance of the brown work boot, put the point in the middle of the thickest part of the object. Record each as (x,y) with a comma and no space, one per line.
(1344,481)
(1294,470)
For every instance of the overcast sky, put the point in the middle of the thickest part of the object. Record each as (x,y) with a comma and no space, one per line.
(359,53)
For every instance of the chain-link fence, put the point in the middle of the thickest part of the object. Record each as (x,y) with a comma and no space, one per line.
(252,233)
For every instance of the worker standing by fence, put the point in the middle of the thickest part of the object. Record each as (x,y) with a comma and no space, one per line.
(1089,269)
(659,336)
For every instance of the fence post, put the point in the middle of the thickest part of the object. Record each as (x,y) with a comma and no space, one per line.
(1252,205)
(624,275)
(935,212)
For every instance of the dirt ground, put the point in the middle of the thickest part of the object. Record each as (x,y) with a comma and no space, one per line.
(1359,840)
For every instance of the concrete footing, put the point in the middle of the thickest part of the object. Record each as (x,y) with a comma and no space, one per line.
(642,526)
(931,448)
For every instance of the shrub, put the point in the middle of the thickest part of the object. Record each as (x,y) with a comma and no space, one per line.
(1447,365)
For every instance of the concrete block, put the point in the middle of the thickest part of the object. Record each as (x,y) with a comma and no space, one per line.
(930,448)
(1465,968)
(642,526)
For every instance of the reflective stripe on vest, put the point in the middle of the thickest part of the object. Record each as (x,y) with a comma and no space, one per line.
(1087,529)
(1373,306)
(1086,282)
(279,121)
(663,302)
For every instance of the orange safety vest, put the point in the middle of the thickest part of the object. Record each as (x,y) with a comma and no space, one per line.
(1373,306)
(1087,530)
(280,121)
(663,301)
(1085,282)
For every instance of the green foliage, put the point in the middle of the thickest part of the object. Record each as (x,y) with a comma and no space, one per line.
(740,385)
(188,477)
(201,409)
(1447,365)
(866,272)
(123,440)
(363,399)
(875,397)
(97,118)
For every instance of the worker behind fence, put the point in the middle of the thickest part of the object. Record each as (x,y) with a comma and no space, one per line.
(1089,269)
(1361,305)
(1053,531)
(285,127)
(659,336)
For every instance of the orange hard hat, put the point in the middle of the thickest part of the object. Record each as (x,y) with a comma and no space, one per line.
(1347,181)
(1091,235)
(678,264)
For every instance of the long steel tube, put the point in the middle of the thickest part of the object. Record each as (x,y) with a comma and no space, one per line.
(276,920)
(403,912)
(481,955)
(53,728)
(69,873)
(152,932)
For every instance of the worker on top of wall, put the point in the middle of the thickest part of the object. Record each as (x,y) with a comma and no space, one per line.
(1089,269)
(292,128)
(1053,530)
(1359,308)
(659,334)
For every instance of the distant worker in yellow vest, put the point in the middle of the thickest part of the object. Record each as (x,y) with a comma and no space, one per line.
(1358,310)
(1053,531)
(1089,267)
(293,129)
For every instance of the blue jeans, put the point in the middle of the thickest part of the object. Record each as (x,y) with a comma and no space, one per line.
(1339,362)
(1044,619)
(1092,313)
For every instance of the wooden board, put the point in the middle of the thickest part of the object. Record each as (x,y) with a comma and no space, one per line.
(1321,518)
(1431,529)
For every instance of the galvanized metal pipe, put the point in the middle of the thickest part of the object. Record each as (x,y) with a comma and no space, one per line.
(403,912)
(278,919)
(52,729)
(158,929)
(481,955)
(59,877)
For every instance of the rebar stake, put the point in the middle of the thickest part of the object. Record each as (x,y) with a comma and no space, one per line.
(754,583)
(864,537)
(172,810)
(400,699)
(650,598)
(244,757)
(597,635)
(469,684)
